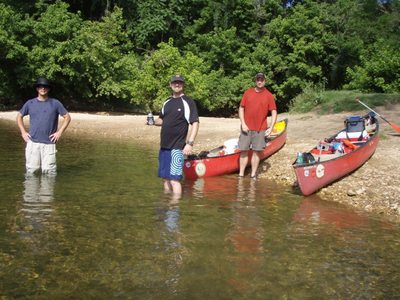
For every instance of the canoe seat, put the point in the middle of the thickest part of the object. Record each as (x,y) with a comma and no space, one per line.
(352,136)
(231,146)
(325,157)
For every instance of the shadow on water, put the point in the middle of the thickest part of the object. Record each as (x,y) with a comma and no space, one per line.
(103,228)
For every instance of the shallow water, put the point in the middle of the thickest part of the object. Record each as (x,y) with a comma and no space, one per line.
(103,229)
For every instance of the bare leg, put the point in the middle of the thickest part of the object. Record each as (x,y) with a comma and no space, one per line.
(255,161)
(176,187)
(243,162)
(167,186)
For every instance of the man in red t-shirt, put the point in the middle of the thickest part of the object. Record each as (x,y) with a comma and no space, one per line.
(256,103)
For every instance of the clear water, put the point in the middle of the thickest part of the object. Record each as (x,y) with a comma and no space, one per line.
(104,229)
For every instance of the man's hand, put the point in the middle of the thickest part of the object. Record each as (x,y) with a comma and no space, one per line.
(55,137)
(187,150)
(26,136)
(245,128)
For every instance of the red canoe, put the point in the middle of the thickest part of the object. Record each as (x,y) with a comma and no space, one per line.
(216,162)
(337,156)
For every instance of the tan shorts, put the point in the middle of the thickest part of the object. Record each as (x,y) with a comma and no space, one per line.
(254,140)
(39,155)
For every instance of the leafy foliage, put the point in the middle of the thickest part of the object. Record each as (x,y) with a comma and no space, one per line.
(52,32)
(151,87)
(325,102)
(12,52)
(99,53)
(113,52)
(379,69)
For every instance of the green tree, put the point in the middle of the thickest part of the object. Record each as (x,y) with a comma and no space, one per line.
(100,60)
(108,51)
(52,33)
(225,31)
(295,51)
(87,60)
(151,86)
(13,29)
(155,21)
(379,70)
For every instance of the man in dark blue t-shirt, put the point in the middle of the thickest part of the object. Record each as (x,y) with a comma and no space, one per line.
(180,123)
(43,132)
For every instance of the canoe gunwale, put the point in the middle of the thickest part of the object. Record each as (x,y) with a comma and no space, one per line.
(229,163)
(336,168)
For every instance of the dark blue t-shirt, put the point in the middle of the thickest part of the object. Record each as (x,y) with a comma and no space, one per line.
(43,118)
(177,114)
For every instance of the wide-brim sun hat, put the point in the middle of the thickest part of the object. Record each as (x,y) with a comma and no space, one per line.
(41,81)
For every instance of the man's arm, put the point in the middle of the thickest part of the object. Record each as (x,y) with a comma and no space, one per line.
(193,130)
(242,122)
(20,121)
(192,133)
(274,116)
(56,135)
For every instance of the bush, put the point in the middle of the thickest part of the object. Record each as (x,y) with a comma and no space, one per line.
(325,102)
(308,99)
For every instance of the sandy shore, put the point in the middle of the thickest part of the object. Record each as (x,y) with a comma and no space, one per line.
(375,187)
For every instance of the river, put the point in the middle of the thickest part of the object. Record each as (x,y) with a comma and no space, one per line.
(102,228)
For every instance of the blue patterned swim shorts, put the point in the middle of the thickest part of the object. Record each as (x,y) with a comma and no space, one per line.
(170,164)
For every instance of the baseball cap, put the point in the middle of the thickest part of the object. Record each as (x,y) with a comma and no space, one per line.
(177,78)
(260,75)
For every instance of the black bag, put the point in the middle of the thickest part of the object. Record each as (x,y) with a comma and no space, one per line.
(308,158)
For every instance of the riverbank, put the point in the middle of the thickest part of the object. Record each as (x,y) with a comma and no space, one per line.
(375,187)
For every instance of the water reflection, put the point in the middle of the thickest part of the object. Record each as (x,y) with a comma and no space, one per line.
(169,214)
(228,189)
(246,231)
(246,235)
(115,235)
(317,212)
(224,188)
(37,204)
(246,190)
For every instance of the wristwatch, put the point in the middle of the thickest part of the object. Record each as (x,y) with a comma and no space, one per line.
(191,143)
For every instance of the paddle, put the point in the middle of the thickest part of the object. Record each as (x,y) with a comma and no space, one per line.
(394,126)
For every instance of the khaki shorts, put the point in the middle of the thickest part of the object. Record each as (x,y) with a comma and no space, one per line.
(39,155)
(254,140)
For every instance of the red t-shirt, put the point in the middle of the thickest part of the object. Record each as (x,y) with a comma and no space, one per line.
(256,106)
